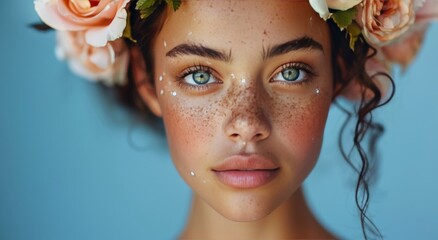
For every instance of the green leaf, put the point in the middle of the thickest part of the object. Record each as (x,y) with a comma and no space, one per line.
(147,7)
(144,4)
(127,33)
(344,18)
(354,32)
(174,3)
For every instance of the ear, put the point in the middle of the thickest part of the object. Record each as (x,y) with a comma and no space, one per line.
(144,85)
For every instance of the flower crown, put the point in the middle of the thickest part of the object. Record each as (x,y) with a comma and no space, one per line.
(90,32)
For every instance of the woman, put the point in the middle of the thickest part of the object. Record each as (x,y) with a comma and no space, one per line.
(244,89)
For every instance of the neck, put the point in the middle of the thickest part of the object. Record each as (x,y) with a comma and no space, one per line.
(292,220)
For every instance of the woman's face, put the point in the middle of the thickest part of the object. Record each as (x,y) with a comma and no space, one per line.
(244,89)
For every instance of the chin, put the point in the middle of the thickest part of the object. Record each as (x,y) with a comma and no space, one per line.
(246,208)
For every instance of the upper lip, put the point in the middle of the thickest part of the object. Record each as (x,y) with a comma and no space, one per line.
(246,163)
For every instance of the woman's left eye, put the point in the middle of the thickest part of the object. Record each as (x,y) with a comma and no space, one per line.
(292,73)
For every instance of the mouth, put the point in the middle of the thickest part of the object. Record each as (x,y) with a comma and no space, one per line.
(244,172)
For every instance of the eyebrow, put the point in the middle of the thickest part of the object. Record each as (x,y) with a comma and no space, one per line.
(199,50)
(302,43)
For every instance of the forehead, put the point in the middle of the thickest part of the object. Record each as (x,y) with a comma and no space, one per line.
(254,23)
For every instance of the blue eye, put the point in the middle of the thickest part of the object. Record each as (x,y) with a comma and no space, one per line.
(290,74)
(293,73)
(198,75)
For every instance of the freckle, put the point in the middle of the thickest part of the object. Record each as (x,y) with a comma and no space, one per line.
(174,93)
(192,173)
(317,90)
(161,92)
(165,44)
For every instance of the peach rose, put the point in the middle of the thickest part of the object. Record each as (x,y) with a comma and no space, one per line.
(385,20)
(107,64)
(426,11)
(101,20)
(404,50)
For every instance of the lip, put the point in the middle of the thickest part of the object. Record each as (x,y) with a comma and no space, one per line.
(242,171)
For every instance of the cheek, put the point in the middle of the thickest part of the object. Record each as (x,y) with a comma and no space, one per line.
(190,130)
(300,124)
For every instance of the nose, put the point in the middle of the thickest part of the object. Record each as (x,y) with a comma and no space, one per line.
(247,128)
(247,121)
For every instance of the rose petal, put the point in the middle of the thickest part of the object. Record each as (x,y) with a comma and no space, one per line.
(48,12)
(320,6)
(98,37)
(342,4)
(405,49)
(427,12)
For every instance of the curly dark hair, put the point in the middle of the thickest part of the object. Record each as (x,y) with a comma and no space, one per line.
(145,30)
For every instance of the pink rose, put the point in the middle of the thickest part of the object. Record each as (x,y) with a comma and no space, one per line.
(426,11)
(404,50)
(108,64)
(101,20)
(385,20)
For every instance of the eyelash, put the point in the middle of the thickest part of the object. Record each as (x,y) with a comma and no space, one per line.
(301,67)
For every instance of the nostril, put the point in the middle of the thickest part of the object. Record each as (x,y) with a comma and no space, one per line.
(234,135)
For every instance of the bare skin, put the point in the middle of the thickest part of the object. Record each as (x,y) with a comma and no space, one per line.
(250,82)
(292,220)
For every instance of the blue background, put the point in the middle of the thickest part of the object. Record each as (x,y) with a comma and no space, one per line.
(75,165)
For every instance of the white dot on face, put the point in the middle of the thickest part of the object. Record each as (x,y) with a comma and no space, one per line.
(233,76)
(173,93)
(161,78)
(190,33)
(165,44)
(161,92)
(192,173)
(317,90)
(243,80)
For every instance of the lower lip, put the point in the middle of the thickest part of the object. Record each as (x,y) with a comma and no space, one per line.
(246,179)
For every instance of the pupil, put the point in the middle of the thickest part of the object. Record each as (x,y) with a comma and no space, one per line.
(201,77)
(290,74)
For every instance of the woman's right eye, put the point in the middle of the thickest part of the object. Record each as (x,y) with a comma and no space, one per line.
(198,75)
